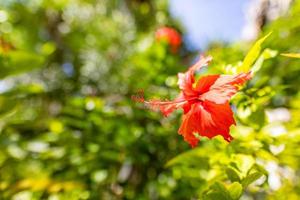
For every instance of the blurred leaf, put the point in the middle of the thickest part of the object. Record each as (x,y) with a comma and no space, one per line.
(235,190)
(252,54)
(16,62)
(250,178)
(259,168)
(244,162)
(291,55)
(216,195)
(257,118)
(7,105)
(267,54)
(232,174)
(189,157)
(218,191)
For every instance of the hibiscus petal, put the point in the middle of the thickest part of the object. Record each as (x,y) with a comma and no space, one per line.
(186,80)
(202,62)
(167,107)
(225,87)
(205,83)
(222,117)
(207,119)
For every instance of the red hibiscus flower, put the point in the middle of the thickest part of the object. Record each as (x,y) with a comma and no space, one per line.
(205,103)
(171,36)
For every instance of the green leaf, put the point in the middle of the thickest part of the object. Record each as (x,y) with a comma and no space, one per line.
(7,105)
(235,190)
(218,191)
(291,55)
(232,174)
(252,55)
(219,187)
(259,168)
(16,62)
(269,53)
(250,178)
(193,156)
(215,195)
(257,118)
(266,54)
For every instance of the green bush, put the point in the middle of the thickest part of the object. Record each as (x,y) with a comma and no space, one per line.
(69,130)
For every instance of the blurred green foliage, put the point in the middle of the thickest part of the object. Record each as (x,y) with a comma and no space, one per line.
(68,129)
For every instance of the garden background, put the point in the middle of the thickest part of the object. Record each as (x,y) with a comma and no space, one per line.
(69,129)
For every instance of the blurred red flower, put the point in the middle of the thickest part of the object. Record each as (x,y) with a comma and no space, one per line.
(205,103)
(171,36)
